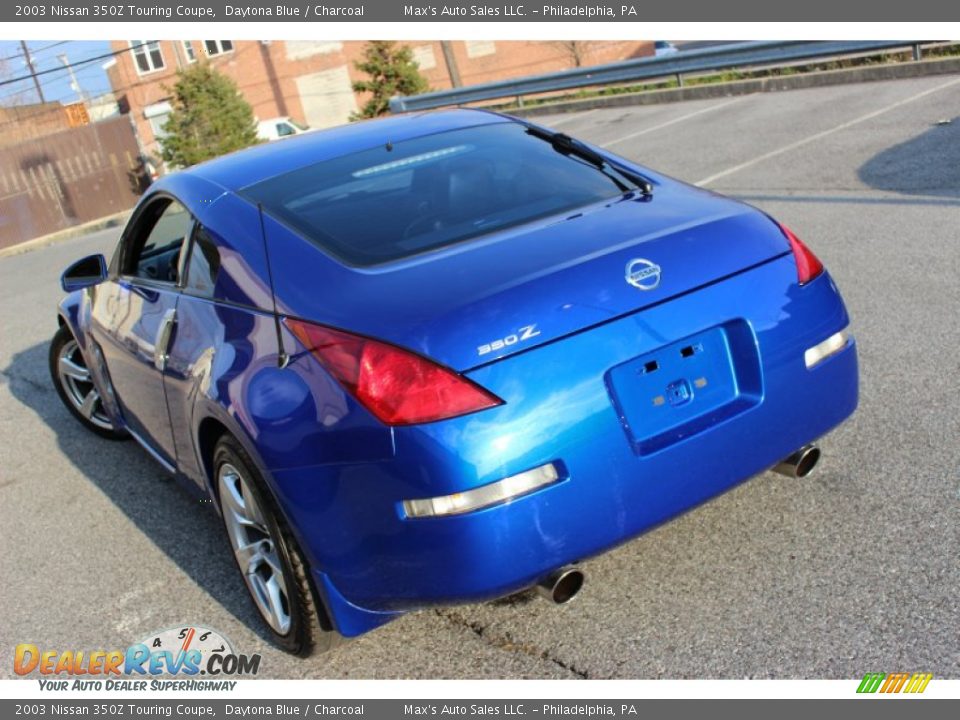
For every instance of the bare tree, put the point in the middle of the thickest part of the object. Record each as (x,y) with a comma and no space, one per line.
(9,94)
(574,50)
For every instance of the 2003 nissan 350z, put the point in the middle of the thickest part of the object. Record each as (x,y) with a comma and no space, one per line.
(442,358)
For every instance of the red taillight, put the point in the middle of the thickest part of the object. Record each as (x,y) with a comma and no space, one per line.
(399,387)
(808,264)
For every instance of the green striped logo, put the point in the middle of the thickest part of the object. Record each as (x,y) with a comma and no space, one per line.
(894,682)
(871,682)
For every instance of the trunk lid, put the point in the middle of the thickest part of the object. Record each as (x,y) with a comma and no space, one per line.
(485,299)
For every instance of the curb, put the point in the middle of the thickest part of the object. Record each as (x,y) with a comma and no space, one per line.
(825,78)
(109,221)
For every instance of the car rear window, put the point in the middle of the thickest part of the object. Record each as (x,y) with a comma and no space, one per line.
(402,199)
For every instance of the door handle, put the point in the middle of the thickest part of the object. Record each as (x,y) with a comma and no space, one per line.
(161,348)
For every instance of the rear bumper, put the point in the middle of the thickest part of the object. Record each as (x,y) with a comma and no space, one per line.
(559,409)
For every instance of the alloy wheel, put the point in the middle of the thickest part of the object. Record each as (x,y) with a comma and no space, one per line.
(80,390)
(255,548)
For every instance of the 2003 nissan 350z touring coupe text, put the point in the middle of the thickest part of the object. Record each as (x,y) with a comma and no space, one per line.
(441,358)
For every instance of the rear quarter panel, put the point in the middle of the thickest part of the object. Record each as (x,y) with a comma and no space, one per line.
(559,409)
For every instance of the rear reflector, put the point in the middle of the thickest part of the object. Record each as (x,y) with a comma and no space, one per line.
(808,264)
(481,497)
(399,387)
(821,351)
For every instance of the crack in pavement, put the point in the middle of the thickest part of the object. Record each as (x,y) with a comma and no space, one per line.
(506,644)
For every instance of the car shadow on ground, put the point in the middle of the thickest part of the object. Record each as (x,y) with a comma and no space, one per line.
(927,165)
(188,531)
(924,170)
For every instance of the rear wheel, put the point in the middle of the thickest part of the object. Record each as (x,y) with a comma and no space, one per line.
(71,377)
(273,568)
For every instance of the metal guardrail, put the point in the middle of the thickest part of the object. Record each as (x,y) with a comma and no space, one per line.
(723,57)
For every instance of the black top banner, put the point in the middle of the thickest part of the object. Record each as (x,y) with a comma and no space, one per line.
(524,11)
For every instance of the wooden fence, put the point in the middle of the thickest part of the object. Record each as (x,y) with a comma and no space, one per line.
(71,177)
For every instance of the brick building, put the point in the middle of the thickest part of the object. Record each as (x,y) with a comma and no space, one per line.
(310,81)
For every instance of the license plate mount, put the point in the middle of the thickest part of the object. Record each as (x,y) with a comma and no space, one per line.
(686,387)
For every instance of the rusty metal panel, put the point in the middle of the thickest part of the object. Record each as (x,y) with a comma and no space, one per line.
(68,178)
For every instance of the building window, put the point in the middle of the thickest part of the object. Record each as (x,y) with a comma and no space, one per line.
(189,52)
(301,49)
(424,57)
(218,47)
(147,56)
(157,115)
(479,48)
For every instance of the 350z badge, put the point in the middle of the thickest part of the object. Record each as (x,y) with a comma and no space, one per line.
(525,333)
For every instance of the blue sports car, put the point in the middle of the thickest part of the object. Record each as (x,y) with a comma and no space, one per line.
(441,358)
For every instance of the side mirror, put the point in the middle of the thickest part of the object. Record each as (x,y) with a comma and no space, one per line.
(84,273)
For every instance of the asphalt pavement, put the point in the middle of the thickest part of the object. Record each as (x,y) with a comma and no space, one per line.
(852,570)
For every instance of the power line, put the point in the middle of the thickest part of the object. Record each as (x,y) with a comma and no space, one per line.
(35,50)
(50,46)
(87,61)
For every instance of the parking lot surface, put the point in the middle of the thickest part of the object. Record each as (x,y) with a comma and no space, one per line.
(854,569)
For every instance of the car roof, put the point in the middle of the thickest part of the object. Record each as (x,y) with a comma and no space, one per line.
(246,167)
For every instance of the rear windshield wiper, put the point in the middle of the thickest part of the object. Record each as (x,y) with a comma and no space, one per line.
(568,146)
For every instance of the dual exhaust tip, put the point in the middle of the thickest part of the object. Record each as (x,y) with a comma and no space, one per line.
(562,585)
(799,464)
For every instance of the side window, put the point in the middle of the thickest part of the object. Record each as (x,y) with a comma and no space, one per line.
(203,265)
(283,130)
(154,251)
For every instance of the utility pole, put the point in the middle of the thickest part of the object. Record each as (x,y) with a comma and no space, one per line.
(74,84)
(33,72)
(451,61)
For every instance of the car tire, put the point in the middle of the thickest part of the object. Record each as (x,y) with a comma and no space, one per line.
(71,378)
(273,568)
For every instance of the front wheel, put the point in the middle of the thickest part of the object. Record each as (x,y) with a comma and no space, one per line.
(71,377)
(266,552)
